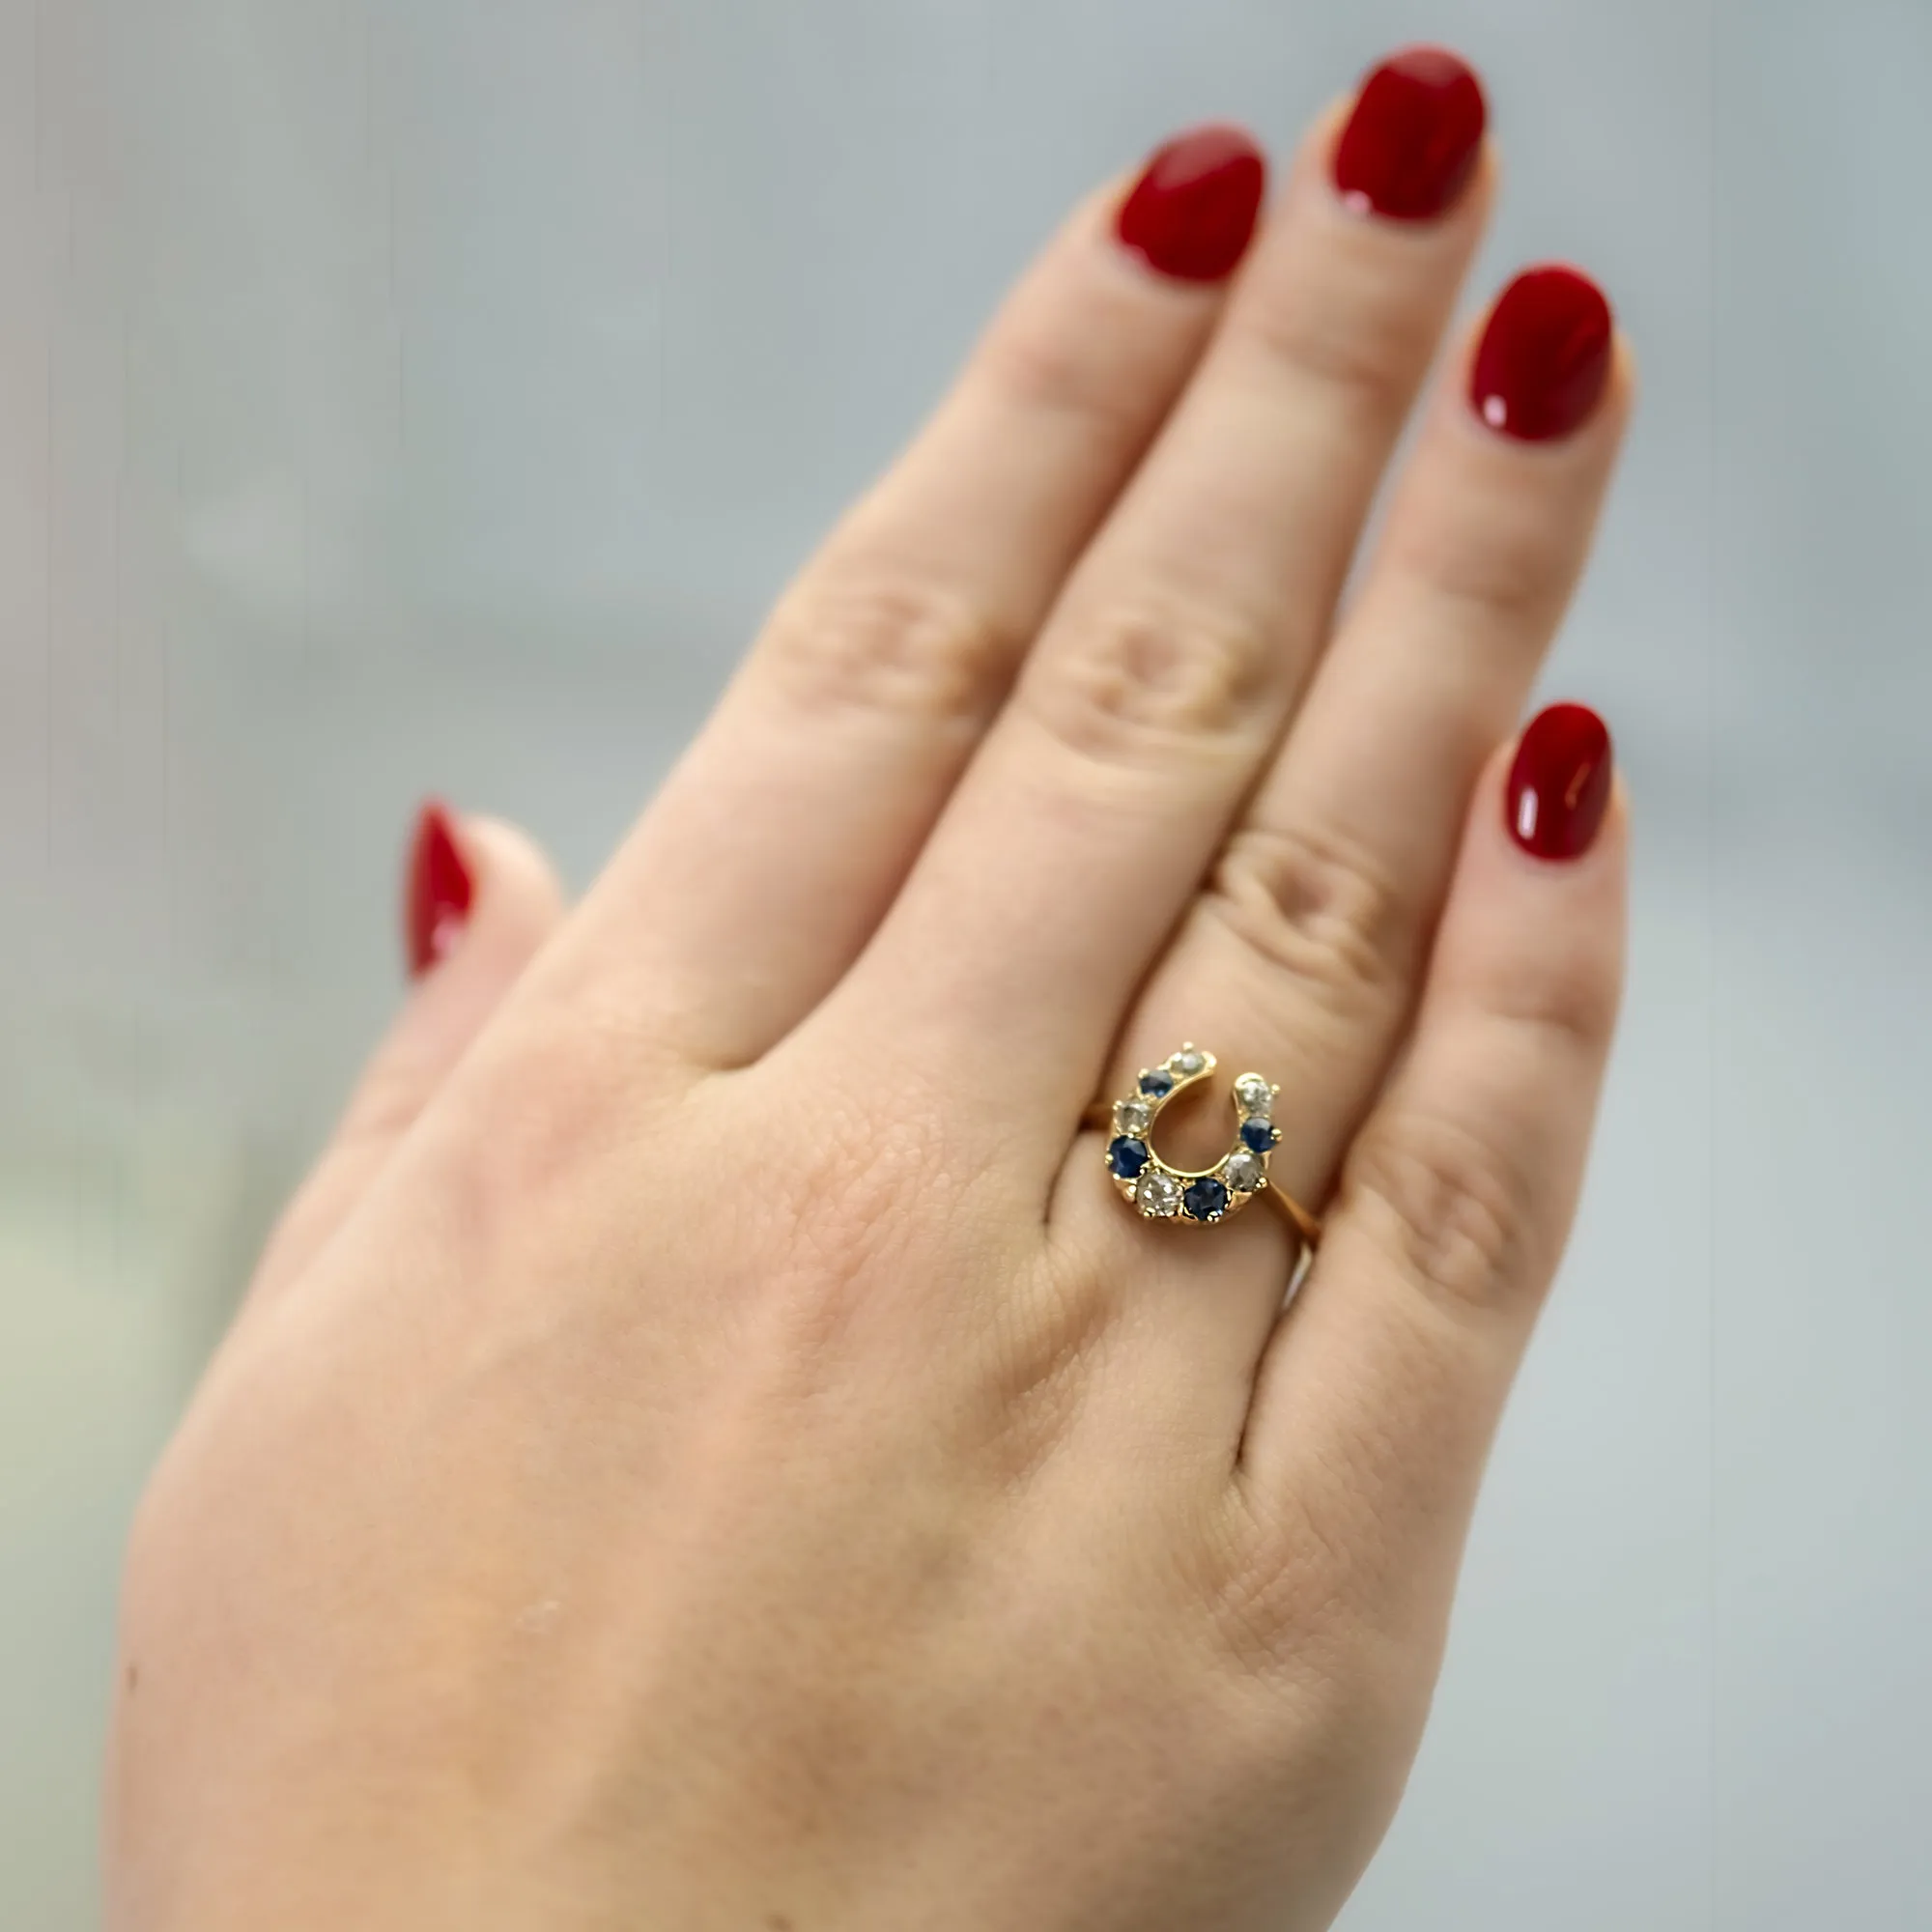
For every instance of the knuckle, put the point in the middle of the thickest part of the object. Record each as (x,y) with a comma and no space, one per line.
(873,638)
(1311,904)
(1446,1205)
(1504,569)
(1136,682)
(1571,1008)
(1095,368)
(1363,349)
(387,1102)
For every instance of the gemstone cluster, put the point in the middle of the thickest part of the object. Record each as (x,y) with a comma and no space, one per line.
(1164,1193)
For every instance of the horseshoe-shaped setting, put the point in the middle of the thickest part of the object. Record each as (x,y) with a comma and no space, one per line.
(1164,1193)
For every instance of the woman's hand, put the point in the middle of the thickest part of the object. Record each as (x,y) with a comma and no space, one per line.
(712,1448)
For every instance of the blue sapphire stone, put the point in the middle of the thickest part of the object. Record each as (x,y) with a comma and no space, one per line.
(1260,1135)
(1126,1157)
(1157,1082)
(1206,1200)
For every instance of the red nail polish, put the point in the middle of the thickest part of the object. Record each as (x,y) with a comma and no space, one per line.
(1559,784)
(1545,358)
(1192,213)
(1411,145)
(437,893)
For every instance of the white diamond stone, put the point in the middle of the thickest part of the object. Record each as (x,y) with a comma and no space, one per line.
(1131,1117)
(1157,1195)
(1254,1094)
(1188,1062)
(1244,1172)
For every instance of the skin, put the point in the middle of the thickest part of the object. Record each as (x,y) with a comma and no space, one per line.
(708,1447)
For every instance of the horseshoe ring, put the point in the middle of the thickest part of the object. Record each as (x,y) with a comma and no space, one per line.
(1160,1192)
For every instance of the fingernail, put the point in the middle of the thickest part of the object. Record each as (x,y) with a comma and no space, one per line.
(1192,213)
(436,891)
(1545,358)
(1559,784)
(1411,143)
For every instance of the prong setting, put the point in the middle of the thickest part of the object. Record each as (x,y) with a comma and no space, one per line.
(1162,1192)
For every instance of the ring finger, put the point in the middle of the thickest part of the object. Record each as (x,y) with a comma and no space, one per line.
(1302,958)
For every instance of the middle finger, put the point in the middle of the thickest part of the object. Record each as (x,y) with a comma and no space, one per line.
(1185,633)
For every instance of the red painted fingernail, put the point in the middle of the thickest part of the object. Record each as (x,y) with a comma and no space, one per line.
(1411,145)
(1559,784)
(1192,213)
(1545,358)
(436,891)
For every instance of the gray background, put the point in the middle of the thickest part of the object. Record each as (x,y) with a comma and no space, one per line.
(430,395)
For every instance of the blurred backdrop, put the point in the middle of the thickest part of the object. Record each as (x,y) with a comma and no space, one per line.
(429,396)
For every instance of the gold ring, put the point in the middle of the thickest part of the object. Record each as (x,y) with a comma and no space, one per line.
(1160,1192)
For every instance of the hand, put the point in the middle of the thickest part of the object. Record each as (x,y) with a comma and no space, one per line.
(712,1448)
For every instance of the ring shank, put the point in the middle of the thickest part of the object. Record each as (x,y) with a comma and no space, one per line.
(1306,1225)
